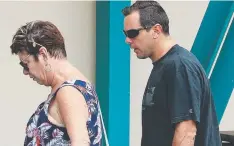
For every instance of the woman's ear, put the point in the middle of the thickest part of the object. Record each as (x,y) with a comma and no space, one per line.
(43,52)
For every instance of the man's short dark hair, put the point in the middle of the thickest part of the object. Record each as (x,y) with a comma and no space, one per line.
(151,13)
(35,34)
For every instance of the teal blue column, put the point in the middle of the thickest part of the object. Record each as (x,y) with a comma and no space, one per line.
(113,70)
(206,45)
(222,78)
(215,20)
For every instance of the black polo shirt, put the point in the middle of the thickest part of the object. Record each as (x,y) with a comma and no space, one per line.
(178,90)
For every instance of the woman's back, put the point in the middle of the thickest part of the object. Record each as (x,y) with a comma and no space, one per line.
(42,132)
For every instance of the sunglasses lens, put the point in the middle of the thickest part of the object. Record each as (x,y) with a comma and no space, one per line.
(25,67)
(132,33)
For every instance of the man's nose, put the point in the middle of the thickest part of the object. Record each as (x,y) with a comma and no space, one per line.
(128,40)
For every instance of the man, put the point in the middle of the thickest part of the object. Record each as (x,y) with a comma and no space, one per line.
(177,108)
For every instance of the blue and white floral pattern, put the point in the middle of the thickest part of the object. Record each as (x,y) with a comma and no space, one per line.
(41,132)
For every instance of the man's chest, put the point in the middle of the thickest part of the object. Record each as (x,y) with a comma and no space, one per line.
(156,91)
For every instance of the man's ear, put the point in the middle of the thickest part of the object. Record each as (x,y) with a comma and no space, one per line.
(157,30)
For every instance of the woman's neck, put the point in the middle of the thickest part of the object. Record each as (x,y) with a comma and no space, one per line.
(64,71)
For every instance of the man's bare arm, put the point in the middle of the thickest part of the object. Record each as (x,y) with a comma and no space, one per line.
(185,133)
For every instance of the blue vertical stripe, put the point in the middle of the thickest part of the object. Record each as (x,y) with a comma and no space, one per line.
(206,46)
(222,79)
(206,41)
(113,70)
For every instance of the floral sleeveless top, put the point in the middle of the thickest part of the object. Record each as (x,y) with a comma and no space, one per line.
(41,132)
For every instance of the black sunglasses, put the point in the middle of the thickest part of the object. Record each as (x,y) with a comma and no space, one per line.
(132,33)
(24,65)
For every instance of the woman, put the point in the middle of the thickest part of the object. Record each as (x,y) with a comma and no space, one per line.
(70,115)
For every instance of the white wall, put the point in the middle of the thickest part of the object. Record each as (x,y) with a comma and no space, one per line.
(227,121)
(19,95)
(185,18)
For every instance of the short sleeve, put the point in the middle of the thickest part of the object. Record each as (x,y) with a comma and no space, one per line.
(184,94)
